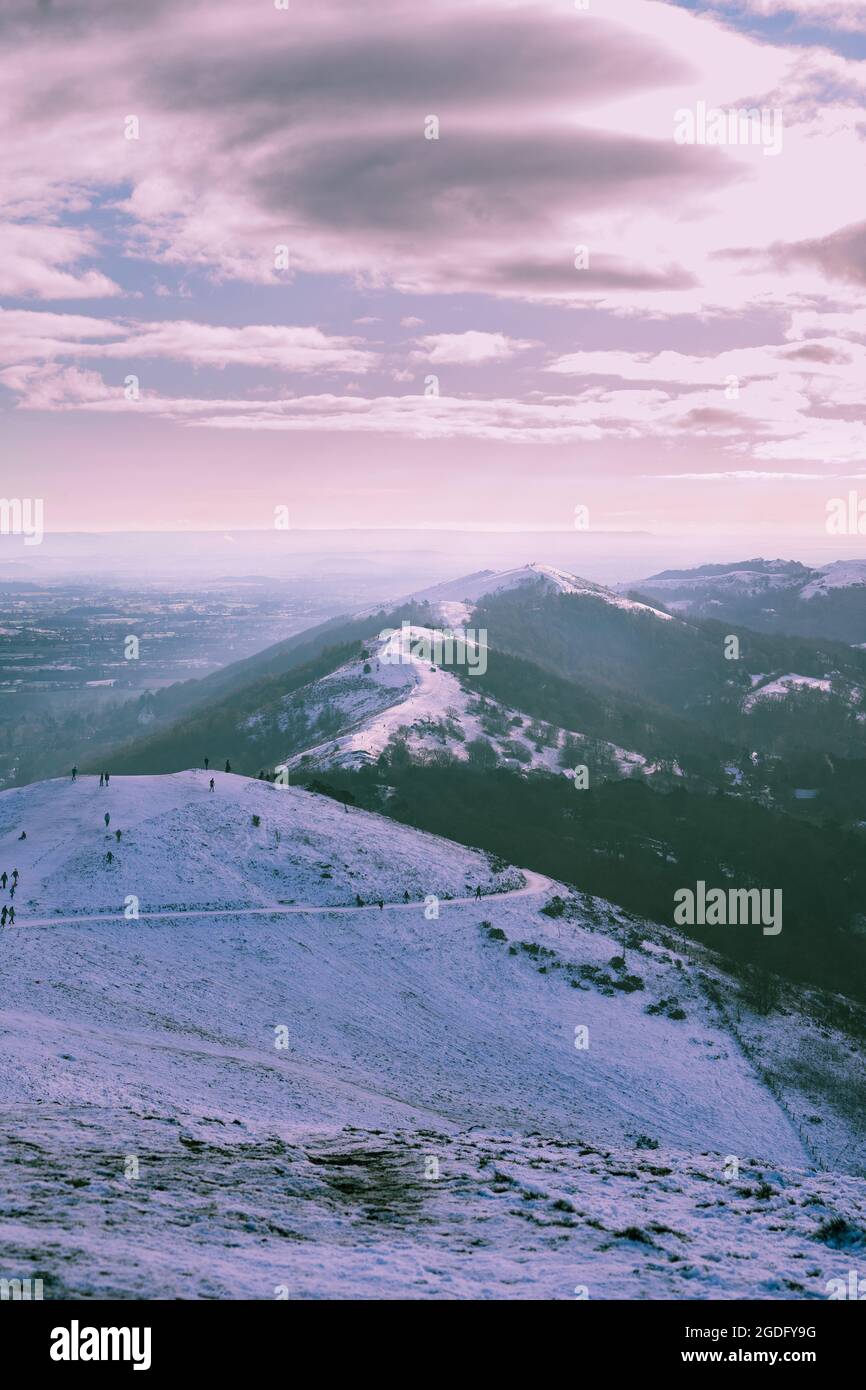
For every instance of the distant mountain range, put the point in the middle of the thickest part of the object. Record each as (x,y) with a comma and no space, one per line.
(566,662)
(770,596)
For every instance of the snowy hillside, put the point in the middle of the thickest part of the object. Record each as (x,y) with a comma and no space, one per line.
(395,693)
(184,846)
(842,574)
(355,1100)
(771,595)
(487,582)
(785,685)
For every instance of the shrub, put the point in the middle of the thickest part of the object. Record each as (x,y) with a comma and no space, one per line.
(555,908)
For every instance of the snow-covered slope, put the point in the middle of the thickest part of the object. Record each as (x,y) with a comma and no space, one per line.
(750,581)
(792,683)
(240,1093)
(842,574)
(488,582)
(781,594)
(394,692)
(184,846)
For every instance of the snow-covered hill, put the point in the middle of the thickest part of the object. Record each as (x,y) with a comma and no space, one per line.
(842,574)
(458,595)
(395,692)
(234,1092)
(771,595)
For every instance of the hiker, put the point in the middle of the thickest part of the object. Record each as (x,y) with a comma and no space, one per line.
(478,891)
(228,766)
(12,917)
(107,819)
(206,764)
(102,779)
(106,779)
(117,835)
(211,784)
(4,879)
(23,835)
(12,890)
(406,895)
(359,901)
(109,857)
(3,916)
(74,773)
(381,904)
(15,875)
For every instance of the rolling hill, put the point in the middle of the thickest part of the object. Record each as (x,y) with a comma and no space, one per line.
(257,1084)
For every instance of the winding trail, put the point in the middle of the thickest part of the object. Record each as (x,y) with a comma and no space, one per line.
(535,884)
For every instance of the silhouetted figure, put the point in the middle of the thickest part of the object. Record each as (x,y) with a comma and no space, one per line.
(3,917)
(478,891)
(359,901)
(15,875)
(12,890)
(4,879)
(406,895)
(117,835)
(23,835)
(102,779)
(12,917)
(381,904)
(211,784)
(107,819)
(206,764)
(74,773)
(107,779)
(109,857)
(228,766)
(261,774)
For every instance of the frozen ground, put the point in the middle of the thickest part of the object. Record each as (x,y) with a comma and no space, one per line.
(426,1212)
(199,1105)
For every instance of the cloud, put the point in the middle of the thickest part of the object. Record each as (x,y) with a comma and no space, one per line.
(254,345)
(309,131)
(839,256)
(470,347)
(556,131)
(45,262)
(820,14)
(27,336)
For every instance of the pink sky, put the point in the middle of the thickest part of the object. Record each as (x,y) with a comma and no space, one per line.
(426,350)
